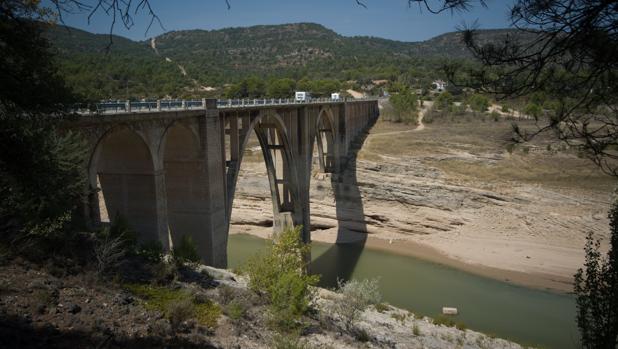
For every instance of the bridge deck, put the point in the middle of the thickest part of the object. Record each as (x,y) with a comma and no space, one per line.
(130,107)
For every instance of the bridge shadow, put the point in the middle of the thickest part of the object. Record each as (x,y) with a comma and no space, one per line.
(340,259)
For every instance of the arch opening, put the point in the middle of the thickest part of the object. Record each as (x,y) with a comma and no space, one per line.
(258,155)
(325,143)
(185,184)
(122,173)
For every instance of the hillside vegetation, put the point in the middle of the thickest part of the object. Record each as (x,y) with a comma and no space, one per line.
(219,57)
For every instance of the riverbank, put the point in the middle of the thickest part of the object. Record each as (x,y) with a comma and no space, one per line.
(549,282)
(454,193)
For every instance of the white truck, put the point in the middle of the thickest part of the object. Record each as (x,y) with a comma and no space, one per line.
(335,96)
(302,96)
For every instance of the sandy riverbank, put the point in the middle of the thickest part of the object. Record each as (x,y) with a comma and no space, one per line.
(453,194)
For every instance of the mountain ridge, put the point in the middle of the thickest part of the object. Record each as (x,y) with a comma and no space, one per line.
(222,56)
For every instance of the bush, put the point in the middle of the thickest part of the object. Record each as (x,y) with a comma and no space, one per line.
(416,331)
(495,115)
(236,310)
(186,251)
(279,273)
(108,252)
(405,105)
(179,311)
(177,305)
(596,291)
(151,250)
(290,341)
(478,103)
(355,297)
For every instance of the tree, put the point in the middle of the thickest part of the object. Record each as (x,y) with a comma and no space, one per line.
(596,289)
(566,50)
(41,168)
(405,104)
(444,100)
(478,103)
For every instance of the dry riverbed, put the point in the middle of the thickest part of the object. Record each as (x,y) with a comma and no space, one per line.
(456,193)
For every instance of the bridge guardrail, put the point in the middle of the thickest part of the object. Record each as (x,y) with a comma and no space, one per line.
(123,107)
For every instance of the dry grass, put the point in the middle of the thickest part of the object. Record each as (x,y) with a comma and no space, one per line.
(473,150)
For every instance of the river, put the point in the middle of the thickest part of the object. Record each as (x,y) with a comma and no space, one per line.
(524,315)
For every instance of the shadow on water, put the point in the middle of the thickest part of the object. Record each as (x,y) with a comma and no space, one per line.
(339,261)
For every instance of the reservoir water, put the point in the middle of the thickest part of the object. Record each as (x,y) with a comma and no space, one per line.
(527,316)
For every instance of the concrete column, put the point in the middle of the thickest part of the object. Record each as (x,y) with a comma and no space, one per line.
(162,214)
(213,243)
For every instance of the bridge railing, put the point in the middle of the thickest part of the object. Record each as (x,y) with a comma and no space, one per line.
(123,107)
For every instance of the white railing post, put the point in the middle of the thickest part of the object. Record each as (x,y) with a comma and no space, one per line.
(127,106)
(204,103)
(183,104)
(158,105)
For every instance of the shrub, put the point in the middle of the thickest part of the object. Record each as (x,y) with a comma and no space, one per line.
(186,251)
(151,250)
(356,296)
(121,229)
(416,330)
(236,310)
(176,305)
(495,115)
(164,273)
(289,341)
(226,294)
(382,307)
(533,110)
(108,252)
(179,311)
(279,273)
(478,103)
(596,290)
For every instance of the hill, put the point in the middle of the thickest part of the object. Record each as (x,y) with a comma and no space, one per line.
(183,62)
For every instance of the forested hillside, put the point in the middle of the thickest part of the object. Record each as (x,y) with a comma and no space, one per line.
(96,70)
(218,57)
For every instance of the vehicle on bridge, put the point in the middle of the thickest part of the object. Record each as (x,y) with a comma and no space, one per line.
(302,96)
(335,96)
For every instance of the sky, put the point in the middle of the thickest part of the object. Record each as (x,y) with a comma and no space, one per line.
(390,19)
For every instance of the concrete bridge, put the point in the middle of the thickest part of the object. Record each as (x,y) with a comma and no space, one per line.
(171,168)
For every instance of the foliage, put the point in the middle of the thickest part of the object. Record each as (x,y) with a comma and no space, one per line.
(596,290)
(568,62)
(176,304)
(355,297)
(236,310)
(405,106)
(108,252)
(186,251)
(416,331)
(287,341)
(179,311)
(534,110)
(478,103)
(280,274)
(444,101)
(41,167)
(151,250)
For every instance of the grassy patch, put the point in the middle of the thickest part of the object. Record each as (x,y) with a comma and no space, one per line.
(167,301)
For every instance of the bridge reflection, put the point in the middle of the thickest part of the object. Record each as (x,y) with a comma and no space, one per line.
(340,260)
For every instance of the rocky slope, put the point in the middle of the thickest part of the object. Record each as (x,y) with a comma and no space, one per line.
(40,310)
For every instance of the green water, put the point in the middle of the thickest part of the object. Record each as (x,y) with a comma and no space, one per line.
(527,316)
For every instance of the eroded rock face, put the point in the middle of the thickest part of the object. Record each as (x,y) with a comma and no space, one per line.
(513,226)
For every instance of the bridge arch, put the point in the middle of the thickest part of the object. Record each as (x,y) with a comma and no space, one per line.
(273,137)
(185,183)
(325,140)
(121,172)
